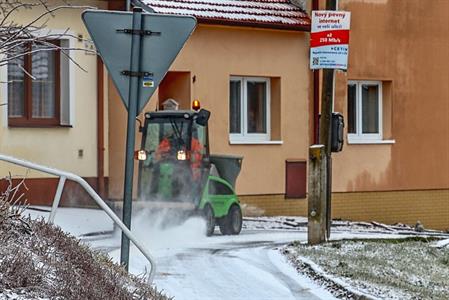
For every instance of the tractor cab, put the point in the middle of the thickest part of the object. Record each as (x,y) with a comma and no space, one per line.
(177,156)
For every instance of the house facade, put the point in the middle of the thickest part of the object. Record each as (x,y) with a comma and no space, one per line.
(51,117)
(395,163)
(248,63)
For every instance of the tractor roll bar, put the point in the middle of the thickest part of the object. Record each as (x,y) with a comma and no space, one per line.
(63,176)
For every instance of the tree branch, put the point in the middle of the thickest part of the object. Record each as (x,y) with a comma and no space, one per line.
(15,38)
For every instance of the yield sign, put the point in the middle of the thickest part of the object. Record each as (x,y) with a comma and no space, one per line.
(163,36)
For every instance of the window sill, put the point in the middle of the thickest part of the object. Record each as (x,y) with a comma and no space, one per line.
(256,142)
(22,122)
(370,142)
(38,126)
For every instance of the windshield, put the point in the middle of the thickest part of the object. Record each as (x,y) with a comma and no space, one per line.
(174,168)
(169,134)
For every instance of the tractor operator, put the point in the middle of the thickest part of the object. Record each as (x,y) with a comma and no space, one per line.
(165,149)
(196,154)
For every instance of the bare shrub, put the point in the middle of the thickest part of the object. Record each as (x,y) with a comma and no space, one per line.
(12,203)
(43,261)
(14,267)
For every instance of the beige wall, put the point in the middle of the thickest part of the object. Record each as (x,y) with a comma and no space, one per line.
(58,147)
(389,207)
(403,43)
(213,54)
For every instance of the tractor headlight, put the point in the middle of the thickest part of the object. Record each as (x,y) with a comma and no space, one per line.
(140,155)
(181,155)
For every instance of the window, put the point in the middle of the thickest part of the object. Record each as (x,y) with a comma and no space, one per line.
(364,110)
(38,87)
(218,188)
(249,109)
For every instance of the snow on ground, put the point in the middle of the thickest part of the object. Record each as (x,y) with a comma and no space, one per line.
(338,227)
(77,221)
(441,243)
(389,269)
(193,266)
(10,295)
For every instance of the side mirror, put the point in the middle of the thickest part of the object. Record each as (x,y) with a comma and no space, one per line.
(203,117)
(140,124)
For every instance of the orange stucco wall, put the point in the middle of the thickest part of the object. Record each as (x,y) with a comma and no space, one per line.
(405,44)
(212,55)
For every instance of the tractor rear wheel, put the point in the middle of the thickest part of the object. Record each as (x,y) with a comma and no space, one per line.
(208,215)
(232,222)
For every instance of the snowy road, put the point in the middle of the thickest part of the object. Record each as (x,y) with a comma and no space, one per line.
(247,271)
(195,267)
(248,266)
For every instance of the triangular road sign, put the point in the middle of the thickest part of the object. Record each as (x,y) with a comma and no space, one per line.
(163,38)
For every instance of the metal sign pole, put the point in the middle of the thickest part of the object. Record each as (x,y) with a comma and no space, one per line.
(131,130)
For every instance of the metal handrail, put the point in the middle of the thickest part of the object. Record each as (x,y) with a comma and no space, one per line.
(63,176)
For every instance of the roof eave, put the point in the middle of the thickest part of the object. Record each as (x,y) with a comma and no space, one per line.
(227,22)
(293,27)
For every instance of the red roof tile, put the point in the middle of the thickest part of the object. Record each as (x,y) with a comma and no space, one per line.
(279,14)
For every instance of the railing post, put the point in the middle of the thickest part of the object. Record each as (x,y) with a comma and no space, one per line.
(57,199)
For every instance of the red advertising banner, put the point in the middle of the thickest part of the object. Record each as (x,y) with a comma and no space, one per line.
(329,39)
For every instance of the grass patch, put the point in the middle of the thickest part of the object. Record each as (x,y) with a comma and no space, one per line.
(389,268)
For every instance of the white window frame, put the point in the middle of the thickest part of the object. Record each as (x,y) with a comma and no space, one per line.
(67,90)
(244,136)
(359,136)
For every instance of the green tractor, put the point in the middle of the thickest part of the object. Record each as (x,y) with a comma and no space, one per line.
(177,172)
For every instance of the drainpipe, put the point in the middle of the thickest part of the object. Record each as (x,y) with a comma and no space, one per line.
(128,5)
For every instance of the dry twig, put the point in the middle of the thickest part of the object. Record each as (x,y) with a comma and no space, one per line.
(17,39)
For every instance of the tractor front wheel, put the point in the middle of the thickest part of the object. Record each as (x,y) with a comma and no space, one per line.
(208,215)
(232,222)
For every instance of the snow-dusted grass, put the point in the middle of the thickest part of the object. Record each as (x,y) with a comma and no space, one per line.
(407,268)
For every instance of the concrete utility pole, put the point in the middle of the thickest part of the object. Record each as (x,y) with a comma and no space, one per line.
(320,170)
(316,229)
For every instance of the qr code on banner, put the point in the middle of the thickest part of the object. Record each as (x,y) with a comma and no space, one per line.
(315,61)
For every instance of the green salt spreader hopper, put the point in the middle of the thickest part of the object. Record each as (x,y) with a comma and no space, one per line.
(177,173)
